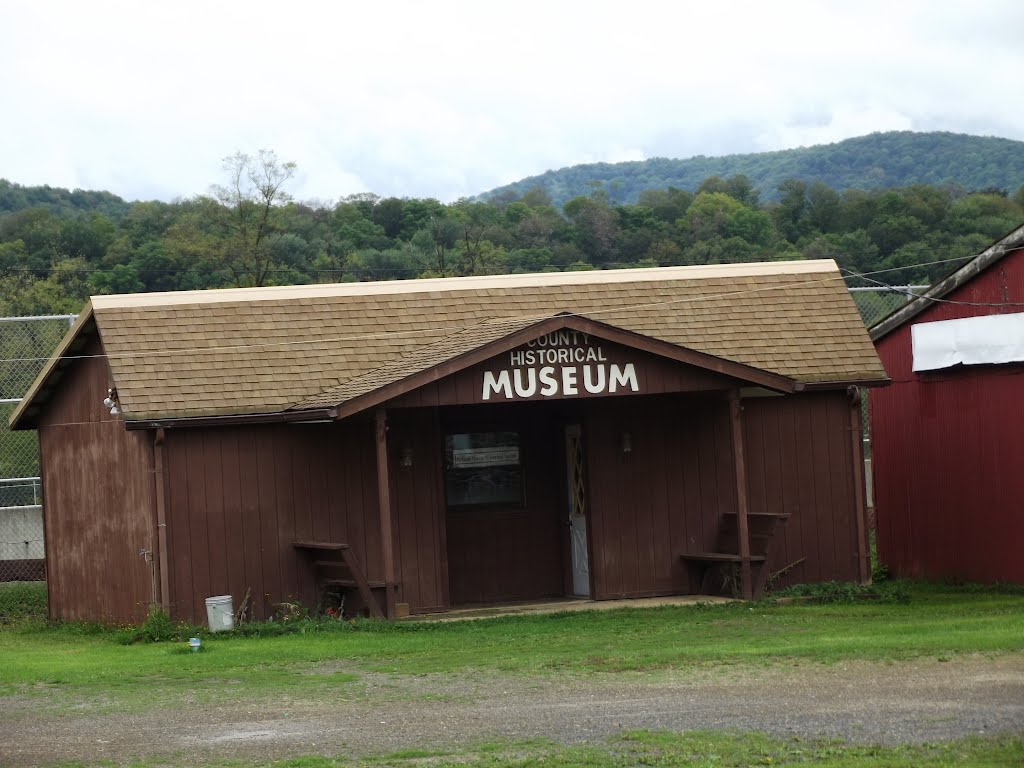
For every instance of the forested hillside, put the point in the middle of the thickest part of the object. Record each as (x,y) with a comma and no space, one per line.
(56,247)
(14,197)
(881,160)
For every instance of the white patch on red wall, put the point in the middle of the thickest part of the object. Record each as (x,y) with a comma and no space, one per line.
(984,340)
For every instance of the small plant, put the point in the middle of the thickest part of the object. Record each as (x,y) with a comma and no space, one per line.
(291,611)
(157,628)
(879,570)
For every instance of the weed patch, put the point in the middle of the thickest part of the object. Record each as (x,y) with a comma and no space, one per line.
(22,601)
(848,592)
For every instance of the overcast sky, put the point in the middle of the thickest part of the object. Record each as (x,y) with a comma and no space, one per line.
(442,99)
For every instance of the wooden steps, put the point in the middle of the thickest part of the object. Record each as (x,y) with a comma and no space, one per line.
(762,528)
(338,560)
(351,583)
(720,557)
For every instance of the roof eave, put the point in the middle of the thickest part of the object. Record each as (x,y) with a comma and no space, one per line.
(820,386)
(22,416)
(994,253)
(271,417)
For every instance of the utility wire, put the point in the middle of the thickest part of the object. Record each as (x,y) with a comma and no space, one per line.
(350,270)
(374,270)
(907,292)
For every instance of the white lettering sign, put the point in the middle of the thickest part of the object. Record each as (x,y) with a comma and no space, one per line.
(582,368)
(497,385)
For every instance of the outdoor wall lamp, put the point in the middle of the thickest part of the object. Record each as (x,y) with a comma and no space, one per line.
(110,401)
(405,458)
(626,442)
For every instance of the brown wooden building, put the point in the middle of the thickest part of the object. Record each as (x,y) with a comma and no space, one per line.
(455,441)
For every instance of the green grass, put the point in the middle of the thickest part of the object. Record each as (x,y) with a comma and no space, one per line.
(699,748)
(938,622)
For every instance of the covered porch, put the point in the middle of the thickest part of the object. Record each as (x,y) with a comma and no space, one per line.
(570,460)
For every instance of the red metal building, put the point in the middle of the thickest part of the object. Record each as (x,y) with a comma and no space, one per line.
(424,444)
(947,436)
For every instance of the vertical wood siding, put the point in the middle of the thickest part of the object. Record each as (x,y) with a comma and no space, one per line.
(663,498)
(947,450)
(239,496)
(800,462)
(98,505)
(667,496)
(417,502)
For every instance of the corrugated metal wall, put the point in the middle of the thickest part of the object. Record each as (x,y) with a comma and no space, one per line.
(948,451)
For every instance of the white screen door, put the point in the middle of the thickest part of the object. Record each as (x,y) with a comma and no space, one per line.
(577,511)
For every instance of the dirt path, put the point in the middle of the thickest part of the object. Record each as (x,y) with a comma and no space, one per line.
(917,701)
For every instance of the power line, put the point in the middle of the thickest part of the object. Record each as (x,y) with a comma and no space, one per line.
(358,269)
(906,291)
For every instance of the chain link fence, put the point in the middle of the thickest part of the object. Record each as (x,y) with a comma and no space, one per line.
(25,343)
(876,302)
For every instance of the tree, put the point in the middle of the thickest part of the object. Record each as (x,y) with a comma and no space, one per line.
(596,226)
(63,291)
(791,212)
(435,242)
(250,202)
(823,208)
(476,223)
(669,205)
(710,215)
(738,187)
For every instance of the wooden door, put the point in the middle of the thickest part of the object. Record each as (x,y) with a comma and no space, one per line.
(503,493)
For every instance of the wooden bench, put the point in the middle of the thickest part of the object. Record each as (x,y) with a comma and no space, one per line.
(761,532)
(335,565)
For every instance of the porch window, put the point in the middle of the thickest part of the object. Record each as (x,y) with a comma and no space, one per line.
(483,469)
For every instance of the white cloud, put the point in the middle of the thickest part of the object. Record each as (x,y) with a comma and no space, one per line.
(448,99)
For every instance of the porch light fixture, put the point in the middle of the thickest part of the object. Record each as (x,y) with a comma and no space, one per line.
(405,458)
(110,401)
(626,442)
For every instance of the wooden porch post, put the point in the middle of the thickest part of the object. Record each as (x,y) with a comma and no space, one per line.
(742,504)
(384,505)
(161,519)
(859,490)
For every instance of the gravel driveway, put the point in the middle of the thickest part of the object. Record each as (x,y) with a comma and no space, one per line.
(866,702)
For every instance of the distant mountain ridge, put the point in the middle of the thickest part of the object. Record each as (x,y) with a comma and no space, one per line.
(891,159)
(60,201)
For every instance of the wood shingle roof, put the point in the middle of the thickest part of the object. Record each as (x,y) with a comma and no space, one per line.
(267,350)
